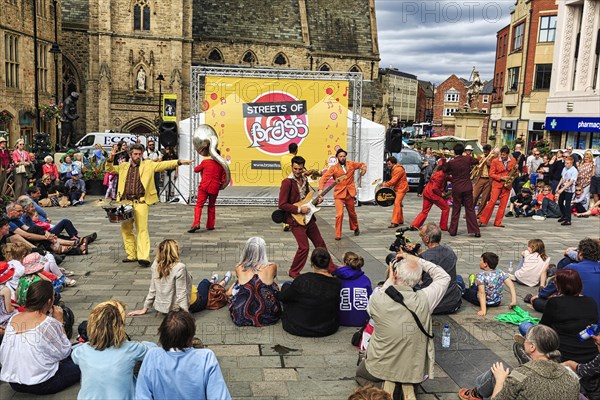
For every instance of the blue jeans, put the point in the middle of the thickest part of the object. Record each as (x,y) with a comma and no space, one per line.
(461,283)
(67,375)
(524,327)
(485,383)
(470,295)
(200,303)
(64,224)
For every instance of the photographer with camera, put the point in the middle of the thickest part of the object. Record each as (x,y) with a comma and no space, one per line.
(401,349)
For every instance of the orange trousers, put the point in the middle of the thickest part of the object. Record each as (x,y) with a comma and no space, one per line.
(339,215)
(497,192)
(397,214)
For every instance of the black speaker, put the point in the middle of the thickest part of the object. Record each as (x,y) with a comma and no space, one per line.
(168,134)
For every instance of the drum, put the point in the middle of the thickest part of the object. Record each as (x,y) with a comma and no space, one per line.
(385,196)
(119,214)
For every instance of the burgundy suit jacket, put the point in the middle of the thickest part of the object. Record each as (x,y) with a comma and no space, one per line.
(213,175)
(460,169)
(288,195)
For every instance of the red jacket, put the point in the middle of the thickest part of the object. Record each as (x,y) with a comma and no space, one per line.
(436,186)
(213,175)
(497,170)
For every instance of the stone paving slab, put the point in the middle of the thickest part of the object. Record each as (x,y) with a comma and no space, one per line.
(268,363)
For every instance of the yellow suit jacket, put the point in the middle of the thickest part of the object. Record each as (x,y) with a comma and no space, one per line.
(147,170)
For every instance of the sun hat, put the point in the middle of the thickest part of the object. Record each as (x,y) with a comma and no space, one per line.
(6,272)
(33,263)
(469,147)
(2,139)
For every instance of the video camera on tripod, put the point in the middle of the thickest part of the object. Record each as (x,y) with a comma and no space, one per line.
(404,243)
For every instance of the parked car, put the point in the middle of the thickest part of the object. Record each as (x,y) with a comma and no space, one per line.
(411,161)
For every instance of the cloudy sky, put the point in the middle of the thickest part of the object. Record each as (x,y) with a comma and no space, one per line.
(436,38)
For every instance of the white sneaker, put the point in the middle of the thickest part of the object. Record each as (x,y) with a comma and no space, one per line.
(66,272)
(227,277)
(539,218)
(75,202)
(70,282)
(214,278)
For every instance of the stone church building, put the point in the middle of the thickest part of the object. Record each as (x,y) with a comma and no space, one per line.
(115,50)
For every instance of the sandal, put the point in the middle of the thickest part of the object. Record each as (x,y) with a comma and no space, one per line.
(84,246)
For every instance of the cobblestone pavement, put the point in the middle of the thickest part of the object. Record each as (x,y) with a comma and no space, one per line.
(268,363)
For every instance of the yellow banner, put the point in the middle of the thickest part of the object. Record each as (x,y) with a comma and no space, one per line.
(169,109)
(257,119)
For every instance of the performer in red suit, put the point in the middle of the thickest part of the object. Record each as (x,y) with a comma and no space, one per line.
(434,194)
(293,190)
(499,172)
(462,190)
(213,175)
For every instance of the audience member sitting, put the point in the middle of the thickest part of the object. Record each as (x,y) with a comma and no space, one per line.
(588,267)
(35,351)
(48,190)
(594,211)
(50,169)
(401,348)
(545,205)
(533,262)
(355,293)
(34,193)
(534,380)
(568,313)
(75,189)
(6,308)
(580,201)
(171,285)
(444,256)
(485,289)
(254,297)
(108,358)
(68,168)
(369,392)
(176,370)
(14,254)
(521,204)
(311,301)
(589,374)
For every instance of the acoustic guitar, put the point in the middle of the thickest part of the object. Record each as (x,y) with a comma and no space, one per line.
(311,203)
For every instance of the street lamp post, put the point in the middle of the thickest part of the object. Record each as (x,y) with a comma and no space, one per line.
(55,50)
(35,69)
(373,110)
(160,78)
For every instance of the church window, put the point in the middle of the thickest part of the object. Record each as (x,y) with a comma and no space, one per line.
(355,69)
(249,57)
(141,15)
(11,60)
(215,55)
(325,67)
(280,59)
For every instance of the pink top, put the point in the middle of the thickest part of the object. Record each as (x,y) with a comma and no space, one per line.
(20,156)
(50,169)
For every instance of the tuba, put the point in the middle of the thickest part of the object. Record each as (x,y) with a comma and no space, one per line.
(205,142)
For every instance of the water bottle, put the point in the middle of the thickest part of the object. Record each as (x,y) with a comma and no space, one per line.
(446,337)
(588,332)
(510,267)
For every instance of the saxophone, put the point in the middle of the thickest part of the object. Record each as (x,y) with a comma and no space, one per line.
(513,173)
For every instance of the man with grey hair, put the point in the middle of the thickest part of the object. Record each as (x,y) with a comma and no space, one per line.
(401,349)
(444,256)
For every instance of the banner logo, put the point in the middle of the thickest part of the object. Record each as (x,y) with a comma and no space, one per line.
(273,121)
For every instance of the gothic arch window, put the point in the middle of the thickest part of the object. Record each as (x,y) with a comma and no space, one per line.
(249,57)
(325,67)
(355,68)
(280,59)
(71,80)
(5,118)
(215,55)
(141,15)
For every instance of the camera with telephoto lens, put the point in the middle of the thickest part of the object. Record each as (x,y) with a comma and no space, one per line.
(402,242)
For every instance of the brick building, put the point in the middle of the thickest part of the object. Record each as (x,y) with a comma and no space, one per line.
(17,74)
(114,50)
(524,54)
(425,101)
(449,97)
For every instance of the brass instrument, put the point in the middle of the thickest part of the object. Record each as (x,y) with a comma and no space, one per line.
(478,169)
(205,141)
(513,173)
(313,174)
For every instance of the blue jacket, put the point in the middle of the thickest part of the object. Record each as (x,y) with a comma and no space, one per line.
(354,296)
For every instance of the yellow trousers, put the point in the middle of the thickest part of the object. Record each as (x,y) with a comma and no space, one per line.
(137,248)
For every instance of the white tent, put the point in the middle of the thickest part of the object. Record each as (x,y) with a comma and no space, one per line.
(372,140)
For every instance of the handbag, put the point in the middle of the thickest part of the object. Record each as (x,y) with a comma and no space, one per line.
(217,297)
(21,169)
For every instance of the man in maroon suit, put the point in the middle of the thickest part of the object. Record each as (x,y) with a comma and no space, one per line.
(462,190)
(293,190)
(213,176)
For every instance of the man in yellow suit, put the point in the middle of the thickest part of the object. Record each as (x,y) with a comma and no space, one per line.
(136,188)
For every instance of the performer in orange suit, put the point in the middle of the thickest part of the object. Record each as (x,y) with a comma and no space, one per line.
(213,175)
(400,185)
(344,192)
(434,194)
(499,171)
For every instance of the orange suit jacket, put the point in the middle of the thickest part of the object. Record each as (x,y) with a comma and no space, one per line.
(346,187)
(497,170)
(398,180)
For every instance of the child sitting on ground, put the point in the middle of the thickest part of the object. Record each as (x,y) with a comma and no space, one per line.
(520,204)
(534,262)
(14,253)
(580,201)
(594,210)
(355,293)
(486,288)
(6,308)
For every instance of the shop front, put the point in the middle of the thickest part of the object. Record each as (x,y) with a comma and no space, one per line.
(509,130)
(581,133)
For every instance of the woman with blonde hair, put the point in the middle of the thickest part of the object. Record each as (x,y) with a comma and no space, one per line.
(533,264)
(21,160)
(107,360)
(171,284)
(254,301)
(586,169)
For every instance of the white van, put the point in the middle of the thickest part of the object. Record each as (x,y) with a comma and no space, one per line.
(107,139)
